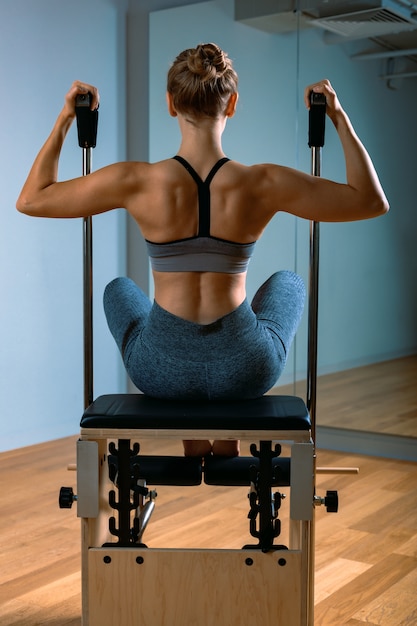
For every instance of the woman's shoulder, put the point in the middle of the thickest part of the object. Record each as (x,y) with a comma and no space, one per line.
(257,169)
(143,174)
(257,176)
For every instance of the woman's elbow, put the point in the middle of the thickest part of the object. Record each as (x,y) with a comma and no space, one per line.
(375,204)
(381,206)
(22,205)
(25,206)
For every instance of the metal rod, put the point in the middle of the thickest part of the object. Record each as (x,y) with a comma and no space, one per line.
(385,54)
(398,75)
(312,366)
(313,325)
(88,293)
(313,304)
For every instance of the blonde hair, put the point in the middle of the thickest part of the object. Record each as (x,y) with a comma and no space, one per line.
(201,81)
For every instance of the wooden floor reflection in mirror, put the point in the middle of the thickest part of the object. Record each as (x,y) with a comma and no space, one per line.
(378,398)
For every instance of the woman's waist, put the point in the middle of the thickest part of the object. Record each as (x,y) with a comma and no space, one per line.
(200,298)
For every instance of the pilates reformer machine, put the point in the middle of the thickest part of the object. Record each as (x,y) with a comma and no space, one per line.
(127,583)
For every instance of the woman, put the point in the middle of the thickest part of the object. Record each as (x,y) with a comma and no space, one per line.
(201,215)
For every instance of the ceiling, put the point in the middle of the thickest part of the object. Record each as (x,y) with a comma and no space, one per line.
(372,29)
(384,29)
(158,5)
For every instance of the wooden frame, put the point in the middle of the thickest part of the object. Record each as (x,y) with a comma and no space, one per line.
(145,586)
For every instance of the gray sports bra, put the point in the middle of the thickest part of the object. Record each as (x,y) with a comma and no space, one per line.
(202,253)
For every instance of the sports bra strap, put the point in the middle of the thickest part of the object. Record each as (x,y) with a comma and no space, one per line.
(203,193)
(215,169)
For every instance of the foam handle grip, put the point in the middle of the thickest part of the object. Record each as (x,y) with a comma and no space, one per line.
(87,122)
(316,120)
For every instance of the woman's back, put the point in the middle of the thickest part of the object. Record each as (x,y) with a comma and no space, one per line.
(168,210)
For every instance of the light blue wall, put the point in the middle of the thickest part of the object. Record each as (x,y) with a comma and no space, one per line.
(44,46)
(368,302)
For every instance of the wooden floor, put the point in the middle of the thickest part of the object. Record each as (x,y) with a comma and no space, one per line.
(366,555)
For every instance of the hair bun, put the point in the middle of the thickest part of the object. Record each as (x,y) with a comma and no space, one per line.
(208,61)
(201,81)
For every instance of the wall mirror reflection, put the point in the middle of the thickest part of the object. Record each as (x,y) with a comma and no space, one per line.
(366,395)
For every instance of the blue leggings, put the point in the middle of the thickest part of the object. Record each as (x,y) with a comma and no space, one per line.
(241,355)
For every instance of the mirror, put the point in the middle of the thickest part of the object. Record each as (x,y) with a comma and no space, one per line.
(367,310)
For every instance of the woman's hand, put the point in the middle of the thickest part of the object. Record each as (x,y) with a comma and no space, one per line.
(362,196)
(40,194)
(80,88)
(332,101)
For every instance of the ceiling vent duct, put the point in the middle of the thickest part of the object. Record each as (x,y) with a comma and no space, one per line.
(340,19)
(376,22)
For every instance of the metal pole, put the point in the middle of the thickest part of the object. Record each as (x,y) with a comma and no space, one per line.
(312,370)
(313,303)
(317,116)
(88,293)
(87,121)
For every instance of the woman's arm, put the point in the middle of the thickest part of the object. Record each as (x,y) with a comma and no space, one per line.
(106,189)
(320,199)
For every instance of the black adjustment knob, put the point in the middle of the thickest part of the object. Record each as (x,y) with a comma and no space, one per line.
(331,501)
(66,497)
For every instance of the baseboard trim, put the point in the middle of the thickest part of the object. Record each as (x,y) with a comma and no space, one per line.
(368,443)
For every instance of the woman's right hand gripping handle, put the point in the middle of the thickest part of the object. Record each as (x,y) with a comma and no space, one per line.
(360,172)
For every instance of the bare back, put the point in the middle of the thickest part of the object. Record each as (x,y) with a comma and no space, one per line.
(167,210)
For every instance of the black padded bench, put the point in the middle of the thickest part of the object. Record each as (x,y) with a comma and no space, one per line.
(269,414)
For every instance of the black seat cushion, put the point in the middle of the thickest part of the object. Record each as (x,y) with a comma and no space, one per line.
(137,411)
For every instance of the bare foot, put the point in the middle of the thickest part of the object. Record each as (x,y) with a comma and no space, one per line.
(226,448)
(197,448)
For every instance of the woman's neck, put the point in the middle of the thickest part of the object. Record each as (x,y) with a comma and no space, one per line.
(201,143)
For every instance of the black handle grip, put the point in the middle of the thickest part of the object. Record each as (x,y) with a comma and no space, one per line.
(87,121)
(316,120)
